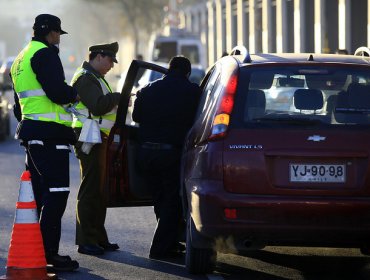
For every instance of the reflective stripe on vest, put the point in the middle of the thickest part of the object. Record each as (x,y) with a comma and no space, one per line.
(62,116)
(29,93)
(33,100)
(59,189)
(47,116)
(105,121)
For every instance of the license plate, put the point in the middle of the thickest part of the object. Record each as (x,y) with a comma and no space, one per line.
(322,173)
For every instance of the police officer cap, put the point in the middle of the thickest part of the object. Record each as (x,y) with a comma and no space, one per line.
(106,49)
(48,22)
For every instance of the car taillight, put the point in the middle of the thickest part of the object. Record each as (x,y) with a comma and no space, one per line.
(225,107)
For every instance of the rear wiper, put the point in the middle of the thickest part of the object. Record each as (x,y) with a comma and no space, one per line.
(298,121)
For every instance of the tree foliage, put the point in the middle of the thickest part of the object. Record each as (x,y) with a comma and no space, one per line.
(114,19)
(145,14)
(139,18)
(134,18)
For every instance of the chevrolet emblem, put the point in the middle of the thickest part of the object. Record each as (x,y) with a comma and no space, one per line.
(316,138)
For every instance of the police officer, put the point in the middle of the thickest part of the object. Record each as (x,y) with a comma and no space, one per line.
(99,102)
(45,129)
(165,110)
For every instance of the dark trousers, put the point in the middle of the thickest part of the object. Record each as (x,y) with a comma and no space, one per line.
(91,209)
(161,169)
(48,164)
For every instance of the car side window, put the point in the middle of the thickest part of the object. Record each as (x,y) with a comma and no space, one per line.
(210,93)
(207,92)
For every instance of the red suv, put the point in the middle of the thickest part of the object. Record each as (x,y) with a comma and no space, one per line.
(278,155)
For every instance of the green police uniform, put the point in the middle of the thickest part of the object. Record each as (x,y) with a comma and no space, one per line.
(98,100)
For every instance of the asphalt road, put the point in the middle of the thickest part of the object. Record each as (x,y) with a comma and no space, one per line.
(132,229)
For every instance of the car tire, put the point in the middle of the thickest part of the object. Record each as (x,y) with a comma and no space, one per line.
(197,260)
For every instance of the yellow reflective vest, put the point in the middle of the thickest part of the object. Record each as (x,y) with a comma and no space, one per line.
(35,105)
(105,121)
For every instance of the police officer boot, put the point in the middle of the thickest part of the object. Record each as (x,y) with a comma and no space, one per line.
(57,262)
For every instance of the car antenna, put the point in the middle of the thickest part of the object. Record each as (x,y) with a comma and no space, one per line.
(310,58)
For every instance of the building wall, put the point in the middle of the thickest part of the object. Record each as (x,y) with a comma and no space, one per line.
(280,25)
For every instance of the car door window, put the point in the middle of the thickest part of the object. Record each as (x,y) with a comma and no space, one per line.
(124,185)
(147,76)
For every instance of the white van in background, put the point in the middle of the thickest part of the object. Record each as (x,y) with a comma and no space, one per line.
(177,42)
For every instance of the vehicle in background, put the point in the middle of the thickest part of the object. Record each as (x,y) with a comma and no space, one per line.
(5,80)
(5,110)
(197,74)
(5,106)
(175,41)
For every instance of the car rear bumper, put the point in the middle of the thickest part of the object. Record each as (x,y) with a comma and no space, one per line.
(278,220)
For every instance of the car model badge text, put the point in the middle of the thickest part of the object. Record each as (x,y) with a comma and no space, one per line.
(246,146)
(316,138)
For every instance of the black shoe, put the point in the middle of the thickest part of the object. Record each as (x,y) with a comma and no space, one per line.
(90,250)
(61,263)
(166,256)
(109,246)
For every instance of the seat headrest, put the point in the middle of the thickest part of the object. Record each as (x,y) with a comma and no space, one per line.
(359,96)
(256,98)
(308,99)
(255,104)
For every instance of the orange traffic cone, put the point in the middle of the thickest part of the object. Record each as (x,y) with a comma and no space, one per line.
(26,257)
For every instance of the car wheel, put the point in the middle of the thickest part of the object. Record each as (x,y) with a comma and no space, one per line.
(197,260)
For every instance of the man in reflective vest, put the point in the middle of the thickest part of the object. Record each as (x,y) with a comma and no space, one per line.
(45,129)
(99,102)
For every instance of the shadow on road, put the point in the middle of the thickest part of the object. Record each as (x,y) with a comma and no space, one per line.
(307,267)
(172,266)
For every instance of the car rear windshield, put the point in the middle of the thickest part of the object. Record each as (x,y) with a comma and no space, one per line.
(328,95)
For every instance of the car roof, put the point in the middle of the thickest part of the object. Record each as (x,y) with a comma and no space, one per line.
(304,58)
